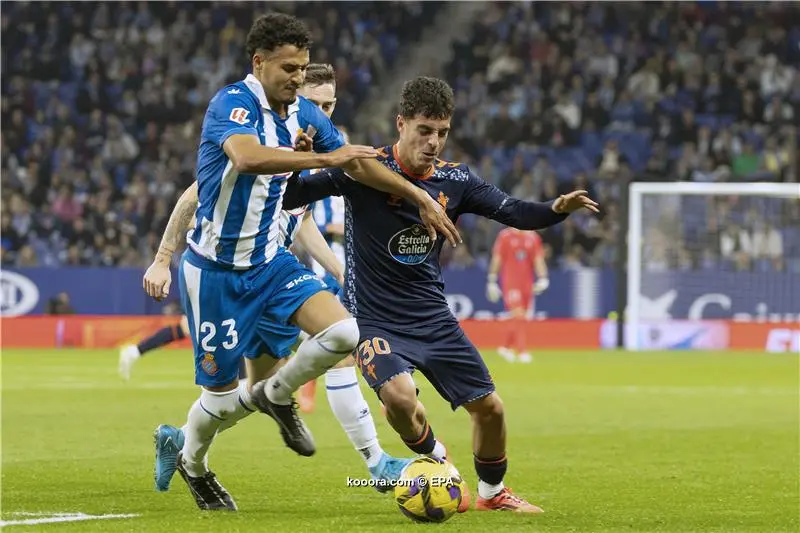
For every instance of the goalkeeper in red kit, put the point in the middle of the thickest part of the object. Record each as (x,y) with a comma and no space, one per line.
(516,256)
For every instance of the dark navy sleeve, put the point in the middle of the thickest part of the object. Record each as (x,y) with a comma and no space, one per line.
(304,189)
(486,200)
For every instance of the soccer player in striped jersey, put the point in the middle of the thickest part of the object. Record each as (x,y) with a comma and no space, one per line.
(236,275)
(345,397)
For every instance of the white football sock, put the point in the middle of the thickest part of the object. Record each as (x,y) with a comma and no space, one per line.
(316,355)
(244,408)
(351,410)
(487,491)
(439,451)
(206,416)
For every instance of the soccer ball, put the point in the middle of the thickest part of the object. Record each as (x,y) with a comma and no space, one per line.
(429,490)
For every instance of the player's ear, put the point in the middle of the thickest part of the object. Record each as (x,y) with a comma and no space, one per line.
(400,123)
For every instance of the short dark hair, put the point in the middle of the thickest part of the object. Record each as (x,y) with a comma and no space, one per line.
(429,97)
(274,30)
(320,74)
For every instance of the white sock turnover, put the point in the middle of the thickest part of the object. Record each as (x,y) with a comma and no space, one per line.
(352,411)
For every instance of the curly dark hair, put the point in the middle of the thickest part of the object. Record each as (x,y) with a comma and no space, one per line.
(320,74)
(273,30)
(429,97)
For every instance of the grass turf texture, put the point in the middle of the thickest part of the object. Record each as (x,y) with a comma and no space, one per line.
(602,441)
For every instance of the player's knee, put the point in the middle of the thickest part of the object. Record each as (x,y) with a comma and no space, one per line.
(488,409)
(399,397)
(341,338)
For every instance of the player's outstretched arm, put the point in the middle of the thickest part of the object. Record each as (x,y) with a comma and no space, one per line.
(157,278)
(373,174)
(248,156)
(309,237)
(486,200)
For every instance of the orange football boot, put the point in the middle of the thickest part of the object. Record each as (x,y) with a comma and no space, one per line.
(506,501)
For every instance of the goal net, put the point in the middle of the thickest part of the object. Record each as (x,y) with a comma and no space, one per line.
(706,257)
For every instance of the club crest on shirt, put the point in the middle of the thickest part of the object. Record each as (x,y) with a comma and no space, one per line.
(443,200)
(209,365)
(411,246)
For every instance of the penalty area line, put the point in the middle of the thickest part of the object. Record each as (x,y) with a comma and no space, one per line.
(53,518)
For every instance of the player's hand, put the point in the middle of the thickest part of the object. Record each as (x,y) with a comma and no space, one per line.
(493,292)
(157,279)
(435,219)
(347,153)
(541,285)
(340,279)
(304,142)
(567,203)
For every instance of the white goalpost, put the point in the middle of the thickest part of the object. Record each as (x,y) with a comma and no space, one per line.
(700,254)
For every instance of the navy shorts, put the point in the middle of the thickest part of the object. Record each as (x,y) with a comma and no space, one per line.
(442,352)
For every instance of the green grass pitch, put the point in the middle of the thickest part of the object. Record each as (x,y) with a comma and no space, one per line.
(603,441)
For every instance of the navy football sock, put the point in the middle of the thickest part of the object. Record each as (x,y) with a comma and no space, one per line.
(425,443)
(160,338)
(491,470)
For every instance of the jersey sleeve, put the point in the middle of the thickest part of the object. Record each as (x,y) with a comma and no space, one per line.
(326,137)
(538,250)
(230,112)
(486,200)
(306,189)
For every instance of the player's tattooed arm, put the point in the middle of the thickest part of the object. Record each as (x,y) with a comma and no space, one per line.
(158,278)
(179,221)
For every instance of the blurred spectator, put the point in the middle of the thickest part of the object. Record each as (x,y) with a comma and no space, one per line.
(59,305)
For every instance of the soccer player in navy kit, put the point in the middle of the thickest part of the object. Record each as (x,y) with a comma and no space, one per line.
(394,288)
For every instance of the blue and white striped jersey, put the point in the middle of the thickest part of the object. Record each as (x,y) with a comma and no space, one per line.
(239,216)
(290,222)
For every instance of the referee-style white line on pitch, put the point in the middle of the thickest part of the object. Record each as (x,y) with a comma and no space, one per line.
(52,518)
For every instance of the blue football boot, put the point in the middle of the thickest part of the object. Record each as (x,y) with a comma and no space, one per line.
(387,471)
(168,441)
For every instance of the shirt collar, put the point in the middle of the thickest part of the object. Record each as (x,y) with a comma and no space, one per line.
(256,88)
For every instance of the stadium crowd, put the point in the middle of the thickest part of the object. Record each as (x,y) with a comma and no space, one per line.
(102,109)
(102,106)
(595,95)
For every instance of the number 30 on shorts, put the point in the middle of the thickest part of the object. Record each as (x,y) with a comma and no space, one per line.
(208,331)
(370,347)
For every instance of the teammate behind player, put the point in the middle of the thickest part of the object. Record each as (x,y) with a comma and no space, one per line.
(516,256)
(393,284)
(345,397)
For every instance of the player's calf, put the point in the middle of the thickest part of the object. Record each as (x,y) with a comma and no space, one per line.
(406,415)
(491,463)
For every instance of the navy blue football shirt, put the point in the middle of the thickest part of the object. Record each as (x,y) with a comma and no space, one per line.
(392,266)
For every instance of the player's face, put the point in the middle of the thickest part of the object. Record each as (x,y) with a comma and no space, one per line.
(323,96)
(282,72)
(422,140)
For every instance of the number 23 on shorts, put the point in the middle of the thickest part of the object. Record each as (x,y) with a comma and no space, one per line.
(367,351)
